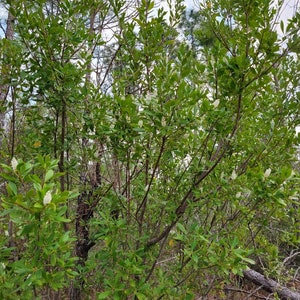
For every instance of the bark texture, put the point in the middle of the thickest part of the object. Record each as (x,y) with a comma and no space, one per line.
(271,285)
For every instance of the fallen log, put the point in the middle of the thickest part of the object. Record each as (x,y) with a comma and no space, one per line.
(271,285)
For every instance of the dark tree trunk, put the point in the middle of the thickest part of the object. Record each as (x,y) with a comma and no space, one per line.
(83,245)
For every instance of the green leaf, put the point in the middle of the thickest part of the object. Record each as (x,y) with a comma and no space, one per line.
(280,201)
(104,295)
(28,229)
(181,227)
(37,186)
(60,219)
(53,260)
(8,177)
(282,26)
(12,188)
(140,296)
(73,194)
(38,205)
(248,260)
(6,167)
(49,175)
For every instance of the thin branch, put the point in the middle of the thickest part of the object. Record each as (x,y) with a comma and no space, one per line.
(143,203)
(110,65)
(250,294)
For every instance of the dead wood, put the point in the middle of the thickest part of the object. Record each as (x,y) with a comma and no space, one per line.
(271,285)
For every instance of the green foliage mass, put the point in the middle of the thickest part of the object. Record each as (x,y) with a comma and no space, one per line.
(176,129)
(38,253)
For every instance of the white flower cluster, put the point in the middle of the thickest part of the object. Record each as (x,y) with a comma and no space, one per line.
(216,103)
(14,164)
(267,173)
(47,198)
(233,175)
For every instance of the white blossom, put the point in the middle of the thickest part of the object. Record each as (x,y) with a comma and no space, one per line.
(238,195)
(149,96)
(47,198)
(267,173)
(216,103)
(233,175)
(186,161)
(14,164)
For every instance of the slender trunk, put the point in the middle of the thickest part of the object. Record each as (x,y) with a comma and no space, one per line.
(83,242)
(13,125)
(85,203)
(55,134)
(62,144)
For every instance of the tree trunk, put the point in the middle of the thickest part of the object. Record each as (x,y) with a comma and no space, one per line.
(85,204)
(83,241)
(271,285)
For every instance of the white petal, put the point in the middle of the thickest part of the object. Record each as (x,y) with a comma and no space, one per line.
(14,164)
(267,173)
(47,198)
(233,175)
(216,103)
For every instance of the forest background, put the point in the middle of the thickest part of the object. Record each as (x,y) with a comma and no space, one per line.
(149,151)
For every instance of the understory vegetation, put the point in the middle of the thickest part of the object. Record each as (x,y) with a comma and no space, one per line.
(149,150)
